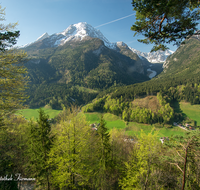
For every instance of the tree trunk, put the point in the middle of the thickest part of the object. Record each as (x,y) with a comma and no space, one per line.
(185,163)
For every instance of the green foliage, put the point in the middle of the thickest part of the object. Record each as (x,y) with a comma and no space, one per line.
(130,112)
(140,169)
(13,138)
(40,143)
(97,104)
(13,80)
(69,156)
(58,95)
(7,35)
(78,157)
(114,106)
(104,156)
(163,22)
(185,157)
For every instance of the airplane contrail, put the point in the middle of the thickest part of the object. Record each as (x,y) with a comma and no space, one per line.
(115,20)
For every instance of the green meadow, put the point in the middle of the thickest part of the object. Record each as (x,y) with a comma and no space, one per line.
(131,128)
(192,111)
(135,129)
(112,121)
(33,113)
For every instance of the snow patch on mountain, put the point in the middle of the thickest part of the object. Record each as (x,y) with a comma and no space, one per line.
(78,32)
(153,57)
(42,37)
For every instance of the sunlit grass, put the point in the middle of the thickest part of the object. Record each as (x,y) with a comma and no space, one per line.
(192,111)
(33,113)
(131,128)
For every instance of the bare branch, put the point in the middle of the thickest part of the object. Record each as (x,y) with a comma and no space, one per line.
(183,146)
(180,155)
(177,166)
(160,26)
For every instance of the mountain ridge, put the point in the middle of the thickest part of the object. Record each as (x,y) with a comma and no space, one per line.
(82,30)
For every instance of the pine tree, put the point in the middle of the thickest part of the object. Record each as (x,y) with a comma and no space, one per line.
(165,21)
(104,156)
(40,143)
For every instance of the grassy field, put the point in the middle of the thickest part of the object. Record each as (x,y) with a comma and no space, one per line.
(192,111)
(112,121)
(132,128)
(135,128)
(33,113)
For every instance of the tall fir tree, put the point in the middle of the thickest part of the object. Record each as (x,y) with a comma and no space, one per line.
(104,156)
(40,143)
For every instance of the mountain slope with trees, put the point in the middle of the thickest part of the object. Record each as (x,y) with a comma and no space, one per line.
(75,65)
(185,61)
(179,81)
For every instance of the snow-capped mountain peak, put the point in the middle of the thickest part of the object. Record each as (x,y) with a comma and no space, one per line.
(42,37)
(76,32)
(154,57)
(81,30)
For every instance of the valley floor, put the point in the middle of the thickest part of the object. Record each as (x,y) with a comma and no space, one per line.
(131,128)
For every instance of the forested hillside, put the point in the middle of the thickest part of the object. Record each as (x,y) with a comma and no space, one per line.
(178,82)
(185,61)
(87,64)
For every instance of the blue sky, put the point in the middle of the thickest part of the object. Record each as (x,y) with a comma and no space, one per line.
(36,17)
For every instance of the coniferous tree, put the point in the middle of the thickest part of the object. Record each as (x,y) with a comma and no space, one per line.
(40,143)
(104,156)
(70,155)
(165,21)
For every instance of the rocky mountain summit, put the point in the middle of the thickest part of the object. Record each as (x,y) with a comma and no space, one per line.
(82,31)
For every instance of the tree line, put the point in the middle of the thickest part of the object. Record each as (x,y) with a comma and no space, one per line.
(130,112)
